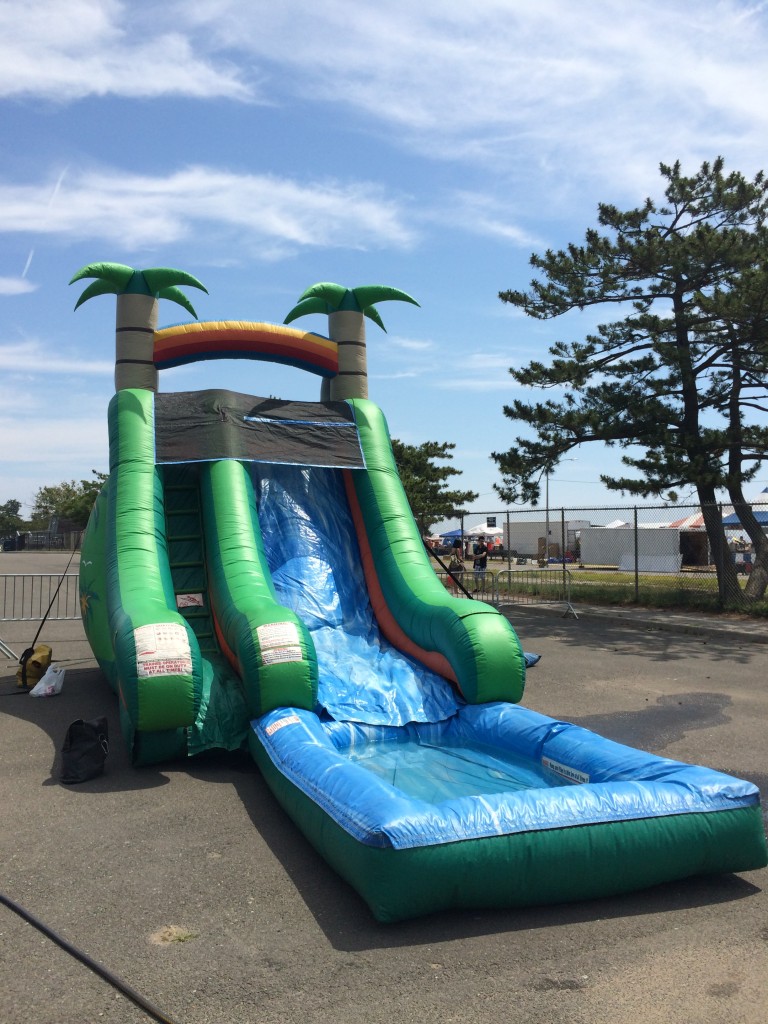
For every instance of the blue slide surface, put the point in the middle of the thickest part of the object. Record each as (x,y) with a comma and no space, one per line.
(314,560)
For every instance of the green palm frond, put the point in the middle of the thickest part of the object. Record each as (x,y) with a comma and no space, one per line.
(161,278)
(117,273)
(327,297)
(306,306)
(373,314)
(97,288)
(368,294)
(333,294)
(177,295)
(119,279)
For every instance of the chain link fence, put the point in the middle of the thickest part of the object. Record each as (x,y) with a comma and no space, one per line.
(42,540)
(657,555)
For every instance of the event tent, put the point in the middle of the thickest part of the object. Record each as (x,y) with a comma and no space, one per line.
(761,514)
(758,507)
(481,530)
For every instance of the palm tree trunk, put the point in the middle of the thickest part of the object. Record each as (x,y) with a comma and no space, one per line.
(347,329)
(135,341)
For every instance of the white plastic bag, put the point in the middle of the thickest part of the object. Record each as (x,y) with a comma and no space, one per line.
(51,683)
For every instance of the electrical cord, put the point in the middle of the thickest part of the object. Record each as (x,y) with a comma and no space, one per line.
(78,954)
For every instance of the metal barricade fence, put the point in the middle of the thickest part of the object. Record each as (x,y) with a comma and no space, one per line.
(480,585)
(535,586)
(25,598)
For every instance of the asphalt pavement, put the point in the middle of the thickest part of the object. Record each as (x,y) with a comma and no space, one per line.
(189,882)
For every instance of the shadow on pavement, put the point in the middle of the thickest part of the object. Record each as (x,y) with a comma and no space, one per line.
(662,724)
(85,695)
(647,641)
(350,927)
(338,910)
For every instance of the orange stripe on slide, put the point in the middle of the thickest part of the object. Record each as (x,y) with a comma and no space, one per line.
(227,651)
(387,623)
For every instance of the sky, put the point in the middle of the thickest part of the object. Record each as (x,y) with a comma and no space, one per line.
(263,147)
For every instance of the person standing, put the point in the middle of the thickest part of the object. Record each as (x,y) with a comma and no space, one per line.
(480,562)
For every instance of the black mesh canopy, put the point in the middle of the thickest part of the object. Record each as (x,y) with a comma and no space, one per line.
(202,426)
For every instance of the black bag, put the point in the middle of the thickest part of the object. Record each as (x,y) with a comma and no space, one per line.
(84,750)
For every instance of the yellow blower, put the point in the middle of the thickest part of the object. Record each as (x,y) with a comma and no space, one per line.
(33,667)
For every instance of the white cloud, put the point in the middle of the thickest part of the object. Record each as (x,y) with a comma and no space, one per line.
(51,440)
(67,51)
(501,382)
(411,344)
(481,372)
(32,358)
(16,286)
(402,375)
(481,214)
(47,450)
(489,361)
(49,430)
(260,210)
(49,434)
(556,94)
(17,399)
(605,89)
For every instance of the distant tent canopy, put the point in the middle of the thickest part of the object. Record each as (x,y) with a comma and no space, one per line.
(483,530)
(761,515)
(695,521)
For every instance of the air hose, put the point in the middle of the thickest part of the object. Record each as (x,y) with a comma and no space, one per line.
(455,578)
(78,954)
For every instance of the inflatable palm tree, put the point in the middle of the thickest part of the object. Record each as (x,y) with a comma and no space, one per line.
(137,294)
(347,309)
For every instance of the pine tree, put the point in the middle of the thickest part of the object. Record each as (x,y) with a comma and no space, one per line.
(681,374)
(425,482)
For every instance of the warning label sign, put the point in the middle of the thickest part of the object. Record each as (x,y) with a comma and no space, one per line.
(279,641)
(272,655)
(277,634)
(162,649)
(565,771)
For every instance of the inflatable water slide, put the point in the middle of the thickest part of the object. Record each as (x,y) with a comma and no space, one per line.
(252,577)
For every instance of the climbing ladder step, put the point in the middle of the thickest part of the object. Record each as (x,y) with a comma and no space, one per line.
(186,550)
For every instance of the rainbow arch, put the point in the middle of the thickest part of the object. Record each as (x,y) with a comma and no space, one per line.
(241,339)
